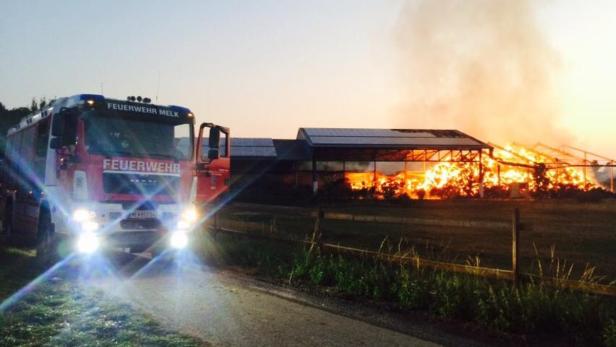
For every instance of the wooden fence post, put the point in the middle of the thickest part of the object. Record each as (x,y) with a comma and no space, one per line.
(273,225)
(515,247)
(317,232)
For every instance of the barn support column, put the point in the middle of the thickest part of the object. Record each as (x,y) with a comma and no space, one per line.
(612,177)
(374,181)
(481,191)
(315,179)
(296,169)
(407,187)
(585,164)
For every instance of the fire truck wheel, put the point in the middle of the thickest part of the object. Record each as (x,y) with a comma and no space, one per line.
(156,251)
(7,221)
(45,245)
(138,249)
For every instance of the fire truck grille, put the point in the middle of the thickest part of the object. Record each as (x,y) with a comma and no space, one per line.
(136,224)
(115,183)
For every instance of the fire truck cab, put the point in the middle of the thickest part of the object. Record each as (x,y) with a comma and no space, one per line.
(106,173)
(212,170)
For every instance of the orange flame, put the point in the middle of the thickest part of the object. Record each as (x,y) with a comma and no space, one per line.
(511,166)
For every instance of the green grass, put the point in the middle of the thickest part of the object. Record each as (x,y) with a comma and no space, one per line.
(531,309)
(60,312)
(17,268)
(609,334)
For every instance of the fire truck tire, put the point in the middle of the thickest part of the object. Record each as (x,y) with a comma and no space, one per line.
(45,243)
(7,221)
(156,250)
(138,249)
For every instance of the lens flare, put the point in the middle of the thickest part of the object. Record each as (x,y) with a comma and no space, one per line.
(82,215)
(87,243)
(89,226)
(190,214)
(183,225)
(178,240)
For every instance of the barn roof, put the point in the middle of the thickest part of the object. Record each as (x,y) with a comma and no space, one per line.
(389,138)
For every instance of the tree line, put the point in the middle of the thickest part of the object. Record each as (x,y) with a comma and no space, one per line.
(9,118)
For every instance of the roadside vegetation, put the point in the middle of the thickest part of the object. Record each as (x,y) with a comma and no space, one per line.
(532,311)
(60,312)
(582,233)
(17,268)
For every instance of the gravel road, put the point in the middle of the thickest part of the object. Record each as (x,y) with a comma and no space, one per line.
(226,310)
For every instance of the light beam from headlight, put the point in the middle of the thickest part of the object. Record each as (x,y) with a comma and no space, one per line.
(190,215)
(87,243)
(178,240)
(82,215)
(89,227)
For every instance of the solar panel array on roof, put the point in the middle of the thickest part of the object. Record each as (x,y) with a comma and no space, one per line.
(407,138)
(296,150)
(251,142)
(249,147)
(263,152)
(333,132)
(396,141)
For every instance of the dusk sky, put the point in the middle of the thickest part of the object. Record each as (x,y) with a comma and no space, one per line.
(265,68)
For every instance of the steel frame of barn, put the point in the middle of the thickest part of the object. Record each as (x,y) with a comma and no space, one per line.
(395,145)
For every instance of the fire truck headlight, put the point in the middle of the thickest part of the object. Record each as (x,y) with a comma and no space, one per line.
(87,243)
(81,215)
(183,225)
(190,214)
(178,239)
(89,226)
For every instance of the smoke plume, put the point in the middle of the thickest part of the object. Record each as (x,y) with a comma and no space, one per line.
(481,66)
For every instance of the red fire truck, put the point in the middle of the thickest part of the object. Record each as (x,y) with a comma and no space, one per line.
(109,173)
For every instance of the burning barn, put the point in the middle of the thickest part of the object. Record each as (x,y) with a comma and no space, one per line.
(379,163)
(387,163)
(399,163)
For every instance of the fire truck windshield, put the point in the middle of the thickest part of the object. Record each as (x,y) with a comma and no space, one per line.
(137,138)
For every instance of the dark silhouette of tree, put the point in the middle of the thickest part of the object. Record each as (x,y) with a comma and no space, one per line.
(8,119)
(34,105)
(37,105)
(42,103)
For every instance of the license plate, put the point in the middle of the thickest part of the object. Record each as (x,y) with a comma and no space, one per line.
(142,214)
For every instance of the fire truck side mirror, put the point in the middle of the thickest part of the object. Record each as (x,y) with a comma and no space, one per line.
(213,154)
(55,143)
(214,143)
(64,127)
(201,167)
(57,125)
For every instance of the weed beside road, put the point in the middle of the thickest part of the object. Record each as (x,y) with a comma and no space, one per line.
(531,310)
(61,312)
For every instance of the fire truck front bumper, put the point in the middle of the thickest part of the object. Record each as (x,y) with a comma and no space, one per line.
(100,228)
(135,240)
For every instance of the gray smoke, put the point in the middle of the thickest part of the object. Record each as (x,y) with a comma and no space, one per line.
(481,66)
